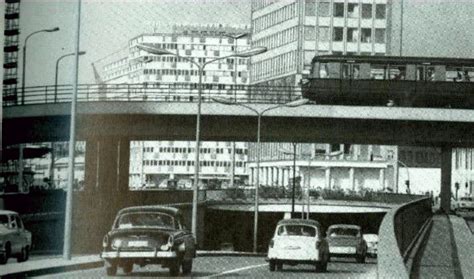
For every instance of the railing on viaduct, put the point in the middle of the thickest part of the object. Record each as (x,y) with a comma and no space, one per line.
(399,233)
(154,92)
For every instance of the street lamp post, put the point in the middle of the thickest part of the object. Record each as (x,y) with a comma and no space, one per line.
(259,114)
(24,60)
(294,178)
(235,38)
(201,66)
(56,72)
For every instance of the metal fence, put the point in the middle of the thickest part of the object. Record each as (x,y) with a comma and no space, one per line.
(155,92)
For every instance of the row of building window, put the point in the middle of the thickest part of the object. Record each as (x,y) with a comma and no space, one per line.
(175,59)
(349,10)
(280,15)
(353,35)
(274,66)
(278,39)
(167,72)
(183,163)
(173,39)
(259,4)
(204,150)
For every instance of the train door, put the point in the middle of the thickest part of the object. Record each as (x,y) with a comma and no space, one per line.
(350,71)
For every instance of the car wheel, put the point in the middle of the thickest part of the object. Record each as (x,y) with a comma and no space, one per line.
(4,257)
(321,266)
(111,270)
(24,255)
(127,268)
(360,258)
(271,266)
(174,269)
(279,266)
(187,266)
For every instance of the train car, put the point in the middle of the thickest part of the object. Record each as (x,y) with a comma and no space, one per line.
(391,81)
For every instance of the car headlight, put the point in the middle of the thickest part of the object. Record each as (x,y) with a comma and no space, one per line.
(169,244)
(105,241)
(117,243)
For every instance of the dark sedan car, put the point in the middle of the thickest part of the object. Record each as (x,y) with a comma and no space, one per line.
(149,235)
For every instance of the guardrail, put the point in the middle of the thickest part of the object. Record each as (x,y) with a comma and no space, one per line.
(399,231)
(285,193)
(154,92)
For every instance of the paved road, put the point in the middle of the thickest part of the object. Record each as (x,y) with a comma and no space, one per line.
(243,267)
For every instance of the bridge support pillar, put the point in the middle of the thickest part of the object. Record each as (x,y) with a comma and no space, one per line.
(446,168)
(328,178)
(352,178)
(105,191)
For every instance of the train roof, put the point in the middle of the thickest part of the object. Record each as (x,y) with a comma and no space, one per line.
(381,59)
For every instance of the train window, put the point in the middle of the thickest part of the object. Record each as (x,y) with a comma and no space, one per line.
(425,73)
(377,71)
(397,72)
(323,70)
(350,71)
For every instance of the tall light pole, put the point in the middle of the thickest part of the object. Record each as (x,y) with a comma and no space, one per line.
(72,141)
(259,114)
(157,51)
(24,59)
(56,72)
(235,38)
(51,172)
(294,178)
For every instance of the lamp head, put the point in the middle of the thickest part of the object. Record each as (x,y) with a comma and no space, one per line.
(297,103)
(251,52)
(153,50)
(52,29)
(81,52)
(222,100)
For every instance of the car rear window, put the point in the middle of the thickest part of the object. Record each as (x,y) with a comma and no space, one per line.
(145,219)
(297,230)
(343,232)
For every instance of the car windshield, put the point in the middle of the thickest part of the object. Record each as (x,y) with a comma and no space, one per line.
(297,230)
(4,220)
(145,219)
(343,232)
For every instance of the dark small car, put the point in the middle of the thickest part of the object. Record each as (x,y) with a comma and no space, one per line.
(347,241)
(145,235)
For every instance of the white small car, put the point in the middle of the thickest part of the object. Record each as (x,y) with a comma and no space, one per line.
(15,241)
(465,204)
(372,241)
(298,241)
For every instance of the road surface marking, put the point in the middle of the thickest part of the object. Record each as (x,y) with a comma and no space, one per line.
(237,270)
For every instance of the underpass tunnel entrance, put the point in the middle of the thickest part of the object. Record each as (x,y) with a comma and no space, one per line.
(233,230)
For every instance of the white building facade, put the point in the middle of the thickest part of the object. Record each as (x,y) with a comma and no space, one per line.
(155,164)
(295,31)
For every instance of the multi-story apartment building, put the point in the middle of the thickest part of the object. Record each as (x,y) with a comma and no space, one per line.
(155,163)
(295,31)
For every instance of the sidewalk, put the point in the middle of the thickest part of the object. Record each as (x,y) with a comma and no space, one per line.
(446,252)
(47,265)
(56,264)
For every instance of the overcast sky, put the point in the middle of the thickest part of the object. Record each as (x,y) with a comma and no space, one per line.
(432,28)
(106,26)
